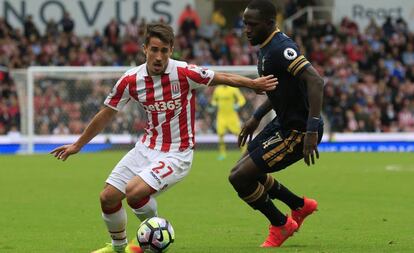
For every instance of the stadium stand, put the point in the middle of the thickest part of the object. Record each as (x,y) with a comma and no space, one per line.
(369,71)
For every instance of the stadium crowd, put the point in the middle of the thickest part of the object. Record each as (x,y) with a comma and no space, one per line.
(369,71)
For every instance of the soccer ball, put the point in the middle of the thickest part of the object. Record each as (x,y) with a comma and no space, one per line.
(155,235)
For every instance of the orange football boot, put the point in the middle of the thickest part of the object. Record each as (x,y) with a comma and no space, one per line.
(279,234)
(308,208)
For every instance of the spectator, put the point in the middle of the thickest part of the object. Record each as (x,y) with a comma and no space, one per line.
(67,23)
(388,27)
(218,18)
(208,31)
(14,133)
(238,24)
(187,27)
(111,33)
(369,77)
(30,29)
(401,25)
(130,46)
(406,117)
(61,129)
(349,27)
(132,28)
(328,31)
(372,27)
(408,55)
(52,29)
(189,15)
(5,28)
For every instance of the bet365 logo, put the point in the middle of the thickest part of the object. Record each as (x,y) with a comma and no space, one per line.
(161,106)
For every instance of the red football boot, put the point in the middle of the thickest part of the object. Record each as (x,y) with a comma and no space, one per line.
(279,234)
(133,247)
(308,208)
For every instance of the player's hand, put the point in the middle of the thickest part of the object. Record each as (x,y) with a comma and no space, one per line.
(310,147)
(247,131)
(63,152)
(265,83)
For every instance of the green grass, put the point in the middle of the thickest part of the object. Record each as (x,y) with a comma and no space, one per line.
(366,203)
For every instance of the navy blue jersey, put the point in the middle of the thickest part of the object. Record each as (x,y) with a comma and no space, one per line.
(279,55)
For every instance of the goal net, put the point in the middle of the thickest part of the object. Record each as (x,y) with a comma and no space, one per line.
(57,103)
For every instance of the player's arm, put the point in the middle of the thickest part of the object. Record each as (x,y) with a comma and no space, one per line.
(265,83)
(298,66)
(97,124)
(251,124)
(314,84)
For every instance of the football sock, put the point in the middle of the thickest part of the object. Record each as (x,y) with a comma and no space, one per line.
(146,208)
(222,146)
(278,191)
(258,199)
(116,224)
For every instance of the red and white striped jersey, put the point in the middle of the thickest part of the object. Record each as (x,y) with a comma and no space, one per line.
(168,99)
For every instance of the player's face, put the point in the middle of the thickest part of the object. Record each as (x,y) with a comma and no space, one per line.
(255,27)
(158,54)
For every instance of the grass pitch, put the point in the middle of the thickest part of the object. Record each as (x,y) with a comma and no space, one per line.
(365,205)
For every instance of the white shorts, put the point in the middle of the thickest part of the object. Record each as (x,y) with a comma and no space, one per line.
(159,169)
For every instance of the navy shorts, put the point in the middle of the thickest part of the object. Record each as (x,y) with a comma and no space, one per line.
(274,149)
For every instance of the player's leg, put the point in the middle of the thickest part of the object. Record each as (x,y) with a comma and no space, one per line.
(243,177)
(234,127)
(222,147)
(115,219)
(280,153)
(266,152)
(113,213)
(244,180)
(221,131)
(276,190)
(162,171)
(140,199)
(300,207)
(143,205)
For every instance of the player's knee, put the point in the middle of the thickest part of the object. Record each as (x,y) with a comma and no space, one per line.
(236,177)
(130,191)
(108,200)
(134,194)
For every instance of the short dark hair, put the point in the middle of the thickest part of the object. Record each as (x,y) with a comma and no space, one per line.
(266,8)
(161,31)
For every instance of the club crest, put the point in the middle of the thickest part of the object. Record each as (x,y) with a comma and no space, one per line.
(175,88)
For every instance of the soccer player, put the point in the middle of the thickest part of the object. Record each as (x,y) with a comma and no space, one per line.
(228,101)
(165,88)
(292,135)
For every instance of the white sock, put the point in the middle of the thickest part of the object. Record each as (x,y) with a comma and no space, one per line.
(147,211)
(116,224)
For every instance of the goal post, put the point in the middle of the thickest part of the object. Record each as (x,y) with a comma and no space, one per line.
(57,103)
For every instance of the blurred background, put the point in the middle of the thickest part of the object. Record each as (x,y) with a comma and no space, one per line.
(59,59)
